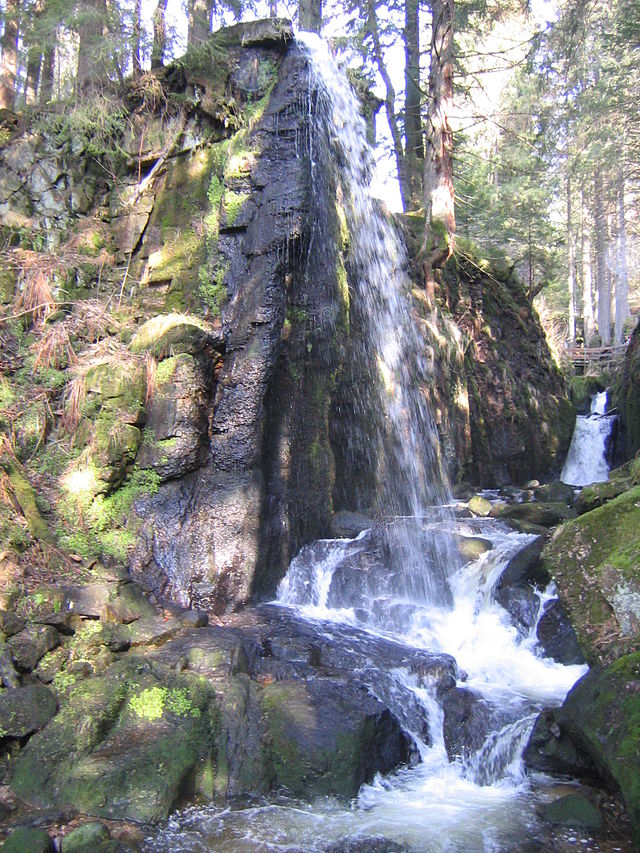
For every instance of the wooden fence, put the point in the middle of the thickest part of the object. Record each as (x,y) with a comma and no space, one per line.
(596,359)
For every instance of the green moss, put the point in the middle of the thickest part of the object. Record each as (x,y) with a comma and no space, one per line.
(232,204)
(26,498)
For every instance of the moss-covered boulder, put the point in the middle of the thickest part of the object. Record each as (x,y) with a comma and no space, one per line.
(324,740)
(595,563)
(26,839)
(601,714)
(542,514)
(620,480)
(124,745)
(25,710)
(171,334)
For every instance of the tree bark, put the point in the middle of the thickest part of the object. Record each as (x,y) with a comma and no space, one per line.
(413,146)
(622,278)
(440,222)
(198,22)
(602,280)
(159,34)
(389,105)
(273,9)
(136,30)
(47,74)
(9,59)
(587,277)
(91,20)
(571,278)
(310,15)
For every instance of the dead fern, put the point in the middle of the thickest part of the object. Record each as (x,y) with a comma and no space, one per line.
(73,401)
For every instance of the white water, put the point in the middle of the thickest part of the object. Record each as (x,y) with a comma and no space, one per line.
(586,460)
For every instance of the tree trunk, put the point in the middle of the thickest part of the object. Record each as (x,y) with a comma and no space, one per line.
(159,34)
(91,20)
(389,105)
(310,15)
(602,280)
(413,146)
(587,278)
(622,278)
(273,9)
(9,59)
(34,58)
(198,22)
(47,74)
(136,29)
(571,279)
(440,222)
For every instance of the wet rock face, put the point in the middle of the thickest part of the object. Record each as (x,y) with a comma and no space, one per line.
(468,719)
(626,397)
(250,479)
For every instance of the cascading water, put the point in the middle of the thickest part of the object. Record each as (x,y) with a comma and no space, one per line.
(403,580)
(586,461)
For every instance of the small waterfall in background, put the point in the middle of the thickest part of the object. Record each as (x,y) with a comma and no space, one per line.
(402,580)
(586,461)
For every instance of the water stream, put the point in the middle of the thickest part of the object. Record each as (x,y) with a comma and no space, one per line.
(403,580)
(587,457)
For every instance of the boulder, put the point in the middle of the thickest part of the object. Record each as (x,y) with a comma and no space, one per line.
(521,603)
(8,674)
(171,334)
(480,506)
(31,644)
(542,514)
(28,840)
(85,838)
(573,810)
(24,710)
(551,750)
(602,714)
(11,623)
(103,750)
(556,491)
(557,637)
(334,751)
(468,719)
(525,566)
(594,562)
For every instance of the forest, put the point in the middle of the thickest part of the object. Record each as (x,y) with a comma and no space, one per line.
(536,107)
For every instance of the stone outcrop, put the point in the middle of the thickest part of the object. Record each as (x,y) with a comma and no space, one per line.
(626,399)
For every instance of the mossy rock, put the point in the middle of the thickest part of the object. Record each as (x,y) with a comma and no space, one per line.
(85,838)
(594,562)
(541,514)
(26,499)
(602,714)
(170,334)
(330,751)
(28,840)
(573,810)
(125,745)
(119,386)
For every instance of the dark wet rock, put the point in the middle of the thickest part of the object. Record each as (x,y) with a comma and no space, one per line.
(8,674)
(85,838)
(31,644)
(550,749)
(556,491)
(601,714)
(526,566)
(349,524)
(25,709)
(87,599)
(335,751)
(11,623)
(64,622)
(521,603)
(573,810)
(368,844)
(556,635)
(27,840)
(194,619)
(547,514)
(468,720)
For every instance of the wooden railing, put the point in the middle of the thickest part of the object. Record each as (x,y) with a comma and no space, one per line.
(596,358)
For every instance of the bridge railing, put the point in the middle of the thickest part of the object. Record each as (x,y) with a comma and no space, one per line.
(597,358)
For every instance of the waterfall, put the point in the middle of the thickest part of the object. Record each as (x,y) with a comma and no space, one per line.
(402,436)
(586,461)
